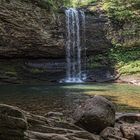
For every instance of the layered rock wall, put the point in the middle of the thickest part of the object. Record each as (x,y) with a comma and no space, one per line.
(27,30)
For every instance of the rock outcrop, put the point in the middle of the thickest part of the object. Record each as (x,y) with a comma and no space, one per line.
(95,114)
(129,124)
(13,123)
(28,30)
(111,133)
(16,124)
(127,127)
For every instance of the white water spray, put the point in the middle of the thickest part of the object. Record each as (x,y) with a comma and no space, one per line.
(75,46)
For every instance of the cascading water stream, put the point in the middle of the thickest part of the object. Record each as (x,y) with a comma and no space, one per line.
(75,46)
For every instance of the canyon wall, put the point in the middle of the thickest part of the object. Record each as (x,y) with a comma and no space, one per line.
(29,31)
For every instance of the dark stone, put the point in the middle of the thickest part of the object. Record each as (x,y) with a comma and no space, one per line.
(6,110)
(95,114)
(110,132)
(137,135)
(128,117)
(13,123)
(54,114)
(38,35)
(16,124)
(130,131)
(101,74)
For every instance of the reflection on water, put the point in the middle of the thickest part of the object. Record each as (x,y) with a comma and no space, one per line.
(40,99)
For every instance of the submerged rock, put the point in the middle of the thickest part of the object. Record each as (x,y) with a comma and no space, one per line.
(95,114)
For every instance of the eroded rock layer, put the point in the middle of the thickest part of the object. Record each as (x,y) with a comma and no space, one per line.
(30,31)
(27,30)
(16,124)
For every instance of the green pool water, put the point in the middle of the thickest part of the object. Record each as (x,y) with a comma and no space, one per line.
(40,99)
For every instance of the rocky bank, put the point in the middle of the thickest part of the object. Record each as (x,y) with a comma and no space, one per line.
(16,124)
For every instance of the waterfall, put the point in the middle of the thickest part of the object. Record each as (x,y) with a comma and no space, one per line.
(75,46)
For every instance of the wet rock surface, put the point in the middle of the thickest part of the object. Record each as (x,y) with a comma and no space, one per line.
(45,70)
(16,124)
(31,70)
(100,75)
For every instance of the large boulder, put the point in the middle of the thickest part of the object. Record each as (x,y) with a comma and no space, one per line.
(95,114)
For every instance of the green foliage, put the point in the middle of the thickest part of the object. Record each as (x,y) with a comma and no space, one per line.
(127,60)
(56,4)
(78,3)
(122,10)
(132,67)
(124,34)
(36,70)
(11,74)
(98,60)
(50,4)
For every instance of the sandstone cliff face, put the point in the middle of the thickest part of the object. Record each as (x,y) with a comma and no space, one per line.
(27,30)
